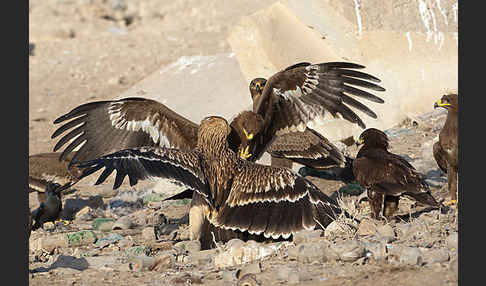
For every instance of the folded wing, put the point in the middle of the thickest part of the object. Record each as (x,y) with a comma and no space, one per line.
(274,202)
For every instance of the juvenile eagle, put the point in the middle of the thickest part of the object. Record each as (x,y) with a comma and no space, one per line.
(387,176)
(49,177)
(233,197)
(446,149)
(290,99)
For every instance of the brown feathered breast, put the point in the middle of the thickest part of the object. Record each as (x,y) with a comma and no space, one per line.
(384,174)
(446,149)
(235,197)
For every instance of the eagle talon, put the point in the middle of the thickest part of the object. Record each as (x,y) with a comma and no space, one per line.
(63,221)
(244,153)
(450,202)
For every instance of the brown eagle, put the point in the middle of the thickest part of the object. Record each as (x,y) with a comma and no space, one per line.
(300,94)
(387,176)
(49,177)
(233,197)
(446,149)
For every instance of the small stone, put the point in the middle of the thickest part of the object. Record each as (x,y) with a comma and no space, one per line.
(229,277)
(83,237)
(248,280)
(66,261)
(204,257)
(307,236)
(375,249)
(148,234)
(454,266)
(107,240)
(402,229)
(123,223)
(367,227)
(293,278)
(239,252)
(84,214)
(108,192)
(253,268)
(432,256)
(187,279)
(136,250)
(452,241)
(125,243)
(283,273)
(405,255)
(163,261)
(141,263)
(349,250)
(338,228)
(386,233)
(189,246)
(308,252)
(48,243)
(102,224)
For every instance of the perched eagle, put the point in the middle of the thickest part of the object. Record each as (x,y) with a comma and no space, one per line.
(387,176)
(446,149)
(300,94)
(49,177)
(233,197)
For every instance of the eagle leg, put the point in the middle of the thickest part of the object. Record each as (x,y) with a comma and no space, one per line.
(452,184)
(376,200)
(390,206)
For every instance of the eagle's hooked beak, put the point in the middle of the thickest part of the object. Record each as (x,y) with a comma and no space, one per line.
(359,141)
(258,87)
(439,103)
(248,136)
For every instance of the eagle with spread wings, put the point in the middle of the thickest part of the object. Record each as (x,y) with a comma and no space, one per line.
(387,176)
(233,197)
(290,99)
(230,196)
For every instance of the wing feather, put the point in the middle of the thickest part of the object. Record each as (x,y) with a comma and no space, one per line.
(104,127)
(304,94)
(149,162)
(273,202)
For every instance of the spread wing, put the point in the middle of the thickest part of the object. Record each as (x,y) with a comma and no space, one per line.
(46,168)
(148,163)
(308,148)
(104,127)
(392,173)
(305,93)
(275,202)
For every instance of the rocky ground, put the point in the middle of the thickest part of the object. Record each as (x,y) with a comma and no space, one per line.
(94,50)
(112,237)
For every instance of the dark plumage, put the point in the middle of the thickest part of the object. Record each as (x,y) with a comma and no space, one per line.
(387,176)
(46,172)
(50,208)
(232,197)
(292,98)
(446,149)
